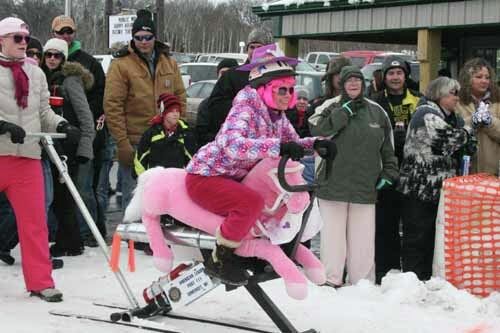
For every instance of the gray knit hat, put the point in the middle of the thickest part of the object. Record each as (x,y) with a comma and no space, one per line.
(261,36)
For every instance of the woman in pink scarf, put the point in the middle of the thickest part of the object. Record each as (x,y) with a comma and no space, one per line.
(25,108)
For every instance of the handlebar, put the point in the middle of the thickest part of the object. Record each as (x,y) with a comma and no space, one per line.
(44,135)
(282,179)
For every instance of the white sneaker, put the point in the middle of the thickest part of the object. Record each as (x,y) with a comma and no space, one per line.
(49,295)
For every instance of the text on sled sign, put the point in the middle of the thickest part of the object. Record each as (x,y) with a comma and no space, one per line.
(120,28)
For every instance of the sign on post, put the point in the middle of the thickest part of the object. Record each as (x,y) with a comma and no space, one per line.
(120,28)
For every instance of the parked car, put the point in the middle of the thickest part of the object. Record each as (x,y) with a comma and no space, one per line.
(197,71)
(363,57)
(104,60)
(217,57)
(319,60)
(183,58)
(310,79)
(196,93)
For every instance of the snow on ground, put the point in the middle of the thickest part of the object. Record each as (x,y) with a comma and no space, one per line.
(401,304)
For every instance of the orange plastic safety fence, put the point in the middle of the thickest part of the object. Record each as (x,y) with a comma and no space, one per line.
(472,233)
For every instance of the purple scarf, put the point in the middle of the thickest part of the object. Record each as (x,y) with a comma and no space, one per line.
(21,81)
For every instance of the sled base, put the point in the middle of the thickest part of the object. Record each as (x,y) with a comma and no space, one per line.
(273,312)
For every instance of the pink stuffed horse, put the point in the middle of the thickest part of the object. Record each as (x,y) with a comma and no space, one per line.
(162,191)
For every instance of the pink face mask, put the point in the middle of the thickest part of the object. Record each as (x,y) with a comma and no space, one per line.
(266,91)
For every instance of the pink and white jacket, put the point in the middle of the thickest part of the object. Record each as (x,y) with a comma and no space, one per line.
(247,136)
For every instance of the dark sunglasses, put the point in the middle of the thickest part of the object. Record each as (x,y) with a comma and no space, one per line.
(31,54)
(302,97)
(146,38)
(67,31)
(454,92)
(56,55)
(283,90)
(19,38)
(254,46)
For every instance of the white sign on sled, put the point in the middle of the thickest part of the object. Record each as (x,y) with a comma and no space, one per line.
(189,286)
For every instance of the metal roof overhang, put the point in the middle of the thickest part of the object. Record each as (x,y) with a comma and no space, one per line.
(384,21)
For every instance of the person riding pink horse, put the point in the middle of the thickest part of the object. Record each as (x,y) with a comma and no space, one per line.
(255,128)
(162,191)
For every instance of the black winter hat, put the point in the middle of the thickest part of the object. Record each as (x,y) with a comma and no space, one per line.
(144,22)
(394,62)
(35,44)
(228,63)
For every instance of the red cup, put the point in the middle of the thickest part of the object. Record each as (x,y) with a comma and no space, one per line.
(56,101)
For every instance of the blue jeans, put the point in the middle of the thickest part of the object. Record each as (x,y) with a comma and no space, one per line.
(49,196)
(308,172)
(105,159)
(85,186)
(8,228)
(128,184)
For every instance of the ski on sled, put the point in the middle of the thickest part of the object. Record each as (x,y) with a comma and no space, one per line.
(182,317)
(143,325)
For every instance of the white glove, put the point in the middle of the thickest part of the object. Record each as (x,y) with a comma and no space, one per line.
(482,116)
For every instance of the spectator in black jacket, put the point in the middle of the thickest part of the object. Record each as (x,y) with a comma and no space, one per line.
(168,142)
(63,27)
(400,103)
(436,141)
(226,88)
(203,134)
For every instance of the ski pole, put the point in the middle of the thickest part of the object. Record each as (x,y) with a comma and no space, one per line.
(46,139)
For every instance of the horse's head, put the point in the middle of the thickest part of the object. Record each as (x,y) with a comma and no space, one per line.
(263,178)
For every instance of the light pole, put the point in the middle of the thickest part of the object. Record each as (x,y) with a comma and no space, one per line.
(67,7)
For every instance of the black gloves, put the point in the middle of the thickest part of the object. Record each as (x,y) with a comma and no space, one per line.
(17,134)
(326,149)
(292,149)
(72,132)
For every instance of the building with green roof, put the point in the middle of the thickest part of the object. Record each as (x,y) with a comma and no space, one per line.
(449,30)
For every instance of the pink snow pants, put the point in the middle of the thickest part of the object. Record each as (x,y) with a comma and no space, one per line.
(22,181)
(240,205)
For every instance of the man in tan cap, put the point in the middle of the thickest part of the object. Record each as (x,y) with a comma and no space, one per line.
(63,27)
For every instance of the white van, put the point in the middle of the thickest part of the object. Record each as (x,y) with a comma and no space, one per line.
(217,57)
(319,60)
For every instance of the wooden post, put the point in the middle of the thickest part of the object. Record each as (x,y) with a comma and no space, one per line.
(290,46)
(429,54)
(108,10)
(160,20)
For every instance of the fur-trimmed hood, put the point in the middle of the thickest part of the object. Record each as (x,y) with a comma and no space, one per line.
(75,69)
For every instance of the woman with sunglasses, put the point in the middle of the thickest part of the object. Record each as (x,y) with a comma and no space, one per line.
(435,142)
(34,51)
(365,164)
(25,108)
(255,128)
(68,82)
